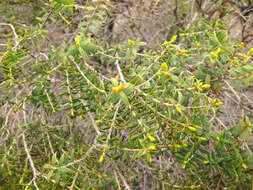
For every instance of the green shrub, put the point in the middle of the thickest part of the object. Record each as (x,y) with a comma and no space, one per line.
(149,118)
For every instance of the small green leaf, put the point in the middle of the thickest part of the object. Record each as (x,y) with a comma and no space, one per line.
(113,98)
(57,176)
(136,80)
(64,170)
(124,98)
(208,79)
(54,159)
(47,166)
(73,50)
(180,97)
(84,54)
(1,122)
(50,174)
(148,157)
(128,89)
(115,82)
(173,39)
(62,159)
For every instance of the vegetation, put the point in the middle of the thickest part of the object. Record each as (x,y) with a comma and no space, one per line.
(86,114)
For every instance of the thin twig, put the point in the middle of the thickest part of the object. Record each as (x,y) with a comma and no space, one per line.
(124,180)
(87,80)
(119,69)
(117,180)
(92,17)
(74,180)
(14,32)
(82,159)
(92,121)
(218,184)
(232,89)
(36,173)
(140,85)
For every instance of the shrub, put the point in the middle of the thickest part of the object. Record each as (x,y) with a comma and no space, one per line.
(86,115)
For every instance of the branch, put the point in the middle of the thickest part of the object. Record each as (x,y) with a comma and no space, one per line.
(119,69)
(14,32)
(218,184)
(36,173)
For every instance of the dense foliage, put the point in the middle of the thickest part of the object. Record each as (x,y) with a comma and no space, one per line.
(88,115)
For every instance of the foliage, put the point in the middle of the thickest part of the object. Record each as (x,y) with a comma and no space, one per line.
(150,116)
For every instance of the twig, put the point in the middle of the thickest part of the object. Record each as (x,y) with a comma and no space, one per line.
(36,173)
(49,99)
(94,124)
(92,17)
(232,89)
(221,123)
(50,144)
(140,85)
(218,184)
(92,121)
(82,159)
(14,32)
(93,70)
(112,125)
(49,14)
(117,180)
(69,94)
(119,69)
(124,181)
(87,80)
(74,180)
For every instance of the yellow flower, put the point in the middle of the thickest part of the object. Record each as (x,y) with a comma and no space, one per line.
(115,90)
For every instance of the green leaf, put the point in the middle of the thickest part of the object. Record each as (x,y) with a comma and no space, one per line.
(57,176)
(89,47)
(84,54)
(50,174)
(62,159)
(128,89)
(124,98)
(180,97)
(208,79)
(1,122)
(73,50)
(64,170)
(113,98)
(54,159)
(47,166)
(137,80)
(246,133)
(138,154)
(148,157)
(247,68)
(178,109)
(115,82)
(249,162)
(222,36)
